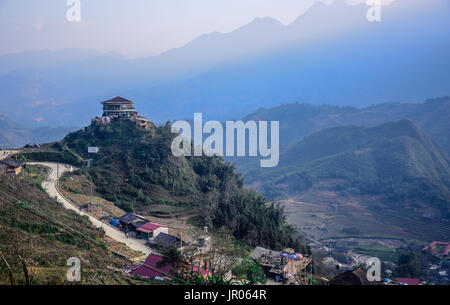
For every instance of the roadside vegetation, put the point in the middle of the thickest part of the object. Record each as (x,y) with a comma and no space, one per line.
(37,236)
(136,170)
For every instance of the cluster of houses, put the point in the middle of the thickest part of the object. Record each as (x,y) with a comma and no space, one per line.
(439,269)
(155,234)
(435,274)
(10,166)
(158,236)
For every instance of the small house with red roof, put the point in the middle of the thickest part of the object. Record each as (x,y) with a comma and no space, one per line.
(149,268)
(150,230)
(438,248)
(408,281)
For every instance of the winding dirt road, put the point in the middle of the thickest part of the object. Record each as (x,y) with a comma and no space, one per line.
(50,185)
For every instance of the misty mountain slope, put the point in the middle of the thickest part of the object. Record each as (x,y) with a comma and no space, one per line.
(15,135)
(395,162)
(300,120)
(43,59)
(329,55)
(395,60)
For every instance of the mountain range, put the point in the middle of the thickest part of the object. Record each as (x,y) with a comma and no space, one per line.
(15,135)
(299,120)
(343,60)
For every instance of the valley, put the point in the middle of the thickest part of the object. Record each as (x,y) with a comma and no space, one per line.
(318,152)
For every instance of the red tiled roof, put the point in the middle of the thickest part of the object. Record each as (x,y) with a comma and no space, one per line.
(436,243)
(152,261)
(150,227)
(408,281)
(118,100)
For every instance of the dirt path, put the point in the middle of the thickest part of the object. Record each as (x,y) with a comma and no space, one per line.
(49,184)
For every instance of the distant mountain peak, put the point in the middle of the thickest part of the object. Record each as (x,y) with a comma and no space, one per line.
(265,20)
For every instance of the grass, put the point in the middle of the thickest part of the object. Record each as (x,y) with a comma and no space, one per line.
(383,253)
(46,235)
(37,173)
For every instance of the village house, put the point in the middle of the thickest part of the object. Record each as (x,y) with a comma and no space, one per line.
(286,266)
(438,248)
(143,122)
(150,230)
(408,281)
(149,268)
(10,166)
(165,240)
(352,277)
(130,222)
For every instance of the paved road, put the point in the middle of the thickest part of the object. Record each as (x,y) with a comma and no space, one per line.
(50,186)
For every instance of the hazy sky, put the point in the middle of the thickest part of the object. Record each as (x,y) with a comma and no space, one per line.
(132,27)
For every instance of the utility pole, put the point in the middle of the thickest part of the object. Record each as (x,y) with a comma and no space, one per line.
(91,205)
(181,239)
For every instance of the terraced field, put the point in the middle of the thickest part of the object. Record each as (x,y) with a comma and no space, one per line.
(417,229)
(322,221)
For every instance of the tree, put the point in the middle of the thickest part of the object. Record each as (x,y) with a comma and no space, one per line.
(249,272)
(172,257)
(224,254)
(408,264)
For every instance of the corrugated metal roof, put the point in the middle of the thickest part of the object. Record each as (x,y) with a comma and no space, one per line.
(150,227)
(128,218)
(168,240)
(11,162)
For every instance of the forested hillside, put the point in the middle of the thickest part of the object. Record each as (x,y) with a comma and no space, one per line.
(136,169)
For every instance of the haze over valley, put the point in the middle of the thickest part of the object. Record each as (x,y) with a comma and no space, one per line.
(359,128)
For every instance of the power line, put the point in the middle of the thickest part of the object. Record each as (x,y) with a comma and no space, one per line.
(85,236)
(36,211)
(33,237)
(50,244)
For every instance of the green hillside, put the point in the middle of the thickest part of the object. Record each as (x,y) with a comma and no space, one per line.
(136,170)
(396,162)
(39,233)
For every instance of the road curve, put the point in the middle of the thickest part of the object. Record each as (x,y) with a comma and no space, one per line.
(49,184)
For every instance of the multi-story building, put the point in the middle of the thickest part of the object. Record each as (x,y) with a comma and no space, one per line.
(119,107)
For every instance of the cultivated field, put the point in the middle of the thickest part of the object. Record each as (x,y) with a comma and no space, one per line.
(324,221)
